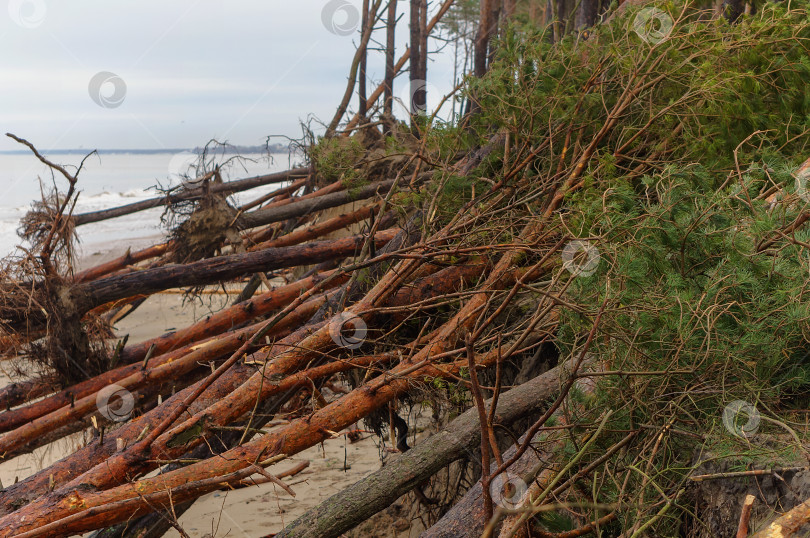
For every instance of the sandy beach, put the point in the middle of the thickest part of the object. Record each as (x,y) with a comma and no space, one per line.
(247,512)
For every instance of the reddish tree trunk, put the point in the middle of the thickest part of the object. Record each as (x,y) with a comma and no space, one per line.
(210,271)
(390,71)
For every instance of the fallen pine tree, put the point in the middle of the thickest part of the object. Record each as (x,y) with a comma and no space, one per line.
(611,198)
(185,194)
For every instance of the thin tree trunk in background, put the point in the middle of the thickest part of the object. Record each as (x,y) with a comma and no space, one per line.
(732,9)
(564,9)
(362,107)
(416,106)
(509,8)
(399,64)
(391,25)
(482,40)
(359,53)
(423,44)
(587,13)
(494,20)
(556,17)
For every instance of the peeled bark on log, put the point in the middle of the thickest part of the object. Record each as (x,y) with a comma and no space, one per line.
(345,510)
(295,347)
(190,194)
(29,489)
(155,525)
(80,507)
(788,524)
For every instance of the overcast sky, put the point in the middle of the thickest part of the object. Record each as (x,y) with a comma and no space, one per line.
(156,74)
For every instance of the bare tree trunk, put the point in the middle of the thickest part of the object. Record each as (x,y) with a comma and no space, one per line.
(346,509)
(423,45)
(482,39)
(362,107)
(494,20)
(400,63)
(558,14)
(390,33)
(587,13)
(417,102)
(358,55)
(732,9)
(509,8)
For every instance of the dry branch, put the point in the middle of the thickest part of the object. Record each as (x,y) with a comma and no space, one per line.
(190,194)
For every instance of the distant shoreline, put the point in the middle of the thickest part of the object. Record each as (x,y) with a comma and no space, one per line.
(274,148)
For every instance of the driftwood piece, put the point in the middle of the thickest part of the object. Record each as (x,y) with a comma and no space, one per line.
(364,498)
(190,194)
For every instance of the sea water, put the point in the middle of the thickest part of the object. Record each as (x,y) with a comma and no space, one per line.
(112,179)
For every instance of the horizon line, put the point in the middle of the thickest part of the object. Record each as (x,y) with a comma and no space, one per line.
(74,151)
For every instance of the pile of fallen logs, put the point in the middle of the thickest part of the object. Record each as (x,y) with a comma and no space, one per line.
(456,277)
(375,301)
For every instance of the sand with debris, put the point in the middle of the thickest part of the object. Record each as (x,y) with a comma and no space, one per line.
(249,512)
